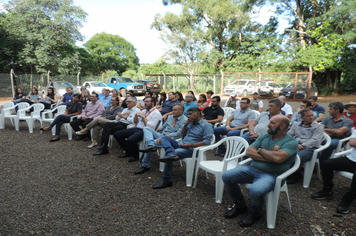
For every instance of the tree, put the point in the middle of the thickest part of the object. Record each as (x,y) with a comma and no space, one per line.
(112,52)
(47,30)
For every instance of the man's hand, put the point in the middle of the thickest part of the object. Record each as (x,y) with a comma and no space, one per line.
(139,114)
(228,129)
(84,118)
(164,117)
(254,136)
(158,141)
(186,145)
(300,147)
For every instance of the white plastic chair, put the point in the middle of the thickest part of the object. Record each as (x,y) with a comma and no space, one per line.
(235,150)
(13,118)
(30,120)
(245,130)
(272,197)
(346,174)
(5,111)
(60,110)
(227,113)
(309,165)
(68,128)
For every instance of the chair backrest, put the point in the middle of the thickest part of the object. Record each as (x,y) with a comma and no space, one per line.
(235,147)
(61,109)
(5,105)
(227,113)
(22,106)
(37,108)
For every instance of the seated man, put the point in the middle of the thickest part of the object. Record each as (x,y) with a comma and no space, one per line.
(272,154)
(240,119)
(351,112)
(73,108)
(188,103)
(167,106)
(318,109)
(296,116)
(128,138)
(93,109)
(259,125)
(123,119)
(196,132)
(171,128)
(67,97)
(348,164)
(286,108)
(106,99)
(309,135)
(256,104)
(337,126)
(233,101)
(213,114)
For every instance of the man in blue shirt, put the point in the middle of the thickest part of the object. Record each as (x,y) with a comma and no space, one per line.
(67,97)
(106,99)
(196,132)
(188,103)
(167,106)
(171,128)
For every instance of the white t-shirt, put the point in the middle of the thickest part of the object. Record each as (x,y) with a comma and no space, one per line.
(287,109)
(352,157)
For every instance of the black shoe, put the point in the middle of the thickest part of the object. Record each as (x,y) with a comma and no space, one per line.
(218,152)
(150,148)
(80,137)
(141,170)
(249,220)
(54,139)
(124,155)
(86,139)
(133,159)
(162,184)
(102,146)
(222,154)
(343,207)
(322,195)
(101,152)
(235,211)
(169,158)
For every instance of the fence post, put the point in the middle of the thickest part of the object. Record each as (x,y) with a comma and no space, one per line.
(48,77)
(174,86)
(214,84)
(222,83)
(12,82)
(164,81)
(78,82)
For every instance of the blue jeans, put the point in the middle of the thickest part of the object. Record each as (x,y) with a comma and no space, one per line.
(172,147)
(58,122)
(328,151)
(261,184)
(222,131)
(128,138)
(150,136)
(306,154)
(246,136)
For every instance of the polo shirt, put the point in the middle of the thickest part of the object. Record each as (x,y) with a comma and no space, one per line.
(343,122)
(106,101)
(242,117)
(186,107)
(167,106)
(262,122)
(319,109)
(74,107)
(67,98)
(202,131)
(212,114)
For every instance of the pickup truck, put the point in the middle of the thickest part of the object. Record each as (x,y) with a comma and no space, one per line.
(96,86)
(123,84)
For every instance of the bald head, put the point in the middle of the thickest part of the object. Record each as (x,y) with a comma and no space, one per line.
(278,125)
(282,99)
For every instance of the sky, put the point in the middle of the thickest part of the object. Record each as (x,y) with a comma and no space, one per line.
(132,19)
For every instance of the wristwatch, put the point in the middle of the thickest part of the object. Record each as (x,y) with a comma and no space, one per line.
(259,149)
(142,117)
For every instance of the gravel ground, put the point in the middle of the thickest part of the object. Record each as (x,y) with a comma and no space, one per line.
(61,189)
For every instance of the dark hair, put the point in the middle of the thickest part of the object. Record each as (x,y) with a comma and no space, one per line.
(155,94)
(277,102)
(77,95)
(218,99)
(147,91)
(172,93)
(195,110)
(35,90)
(16,90)
(164,95)
(315,98)
(203,96)
(304,111)
(337,106)
(132,93)
(117,99)
(96,95)
(52,94)
(210,92)
(180,96)
(152,100)
(246,99)
(307,102)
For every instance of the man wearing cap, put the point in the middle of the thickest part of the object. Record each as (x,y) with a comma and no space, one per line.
(351,112)
(286,107)
(256,104)
(232,102)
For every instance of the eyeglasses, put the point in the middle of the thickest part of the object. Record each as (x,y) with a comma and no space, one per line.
(243,102)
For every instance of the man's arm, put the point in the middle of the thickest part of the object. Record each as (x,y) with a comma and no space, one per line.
(218,120)
(228,121)
(266,155)
(251,127)
(352,142)
(336,132)
(320,118)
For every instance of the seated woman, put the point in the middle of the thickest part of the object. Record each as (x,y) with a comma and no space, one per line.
(18,96)
(33,97)
(162,99)
(180,97)
(115,93)
(74,108)
(49,99)
(85,97)
(202,103)
(155,96)
(97,124)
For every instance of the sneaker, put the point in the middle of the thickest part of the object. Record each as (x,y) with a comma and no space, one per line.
(343,207)
(322,195)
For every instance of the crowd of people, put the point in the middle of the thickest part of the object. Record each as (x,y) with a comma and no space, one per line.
(178,125)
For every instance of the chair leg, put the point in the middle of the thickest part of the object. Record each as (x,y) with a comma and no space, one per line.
(30,125)
(196,175)
(271,208)
(17,125)
(2,122)
(219,188)
(189,172)
(308,172)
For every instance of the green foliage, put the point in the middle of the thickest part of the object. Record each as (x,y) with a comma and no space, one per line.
(112,52)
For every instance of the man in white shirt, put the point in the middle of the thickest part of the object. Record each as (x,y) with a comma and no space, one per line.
(128,138)
(123,119)
(286,108)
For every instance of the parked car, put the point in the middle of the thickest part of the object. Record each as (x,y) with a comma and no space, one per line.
(122,84)
(269,88)
(242,87)
(301,90)
(60,87)
(151,85)
(96,86)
